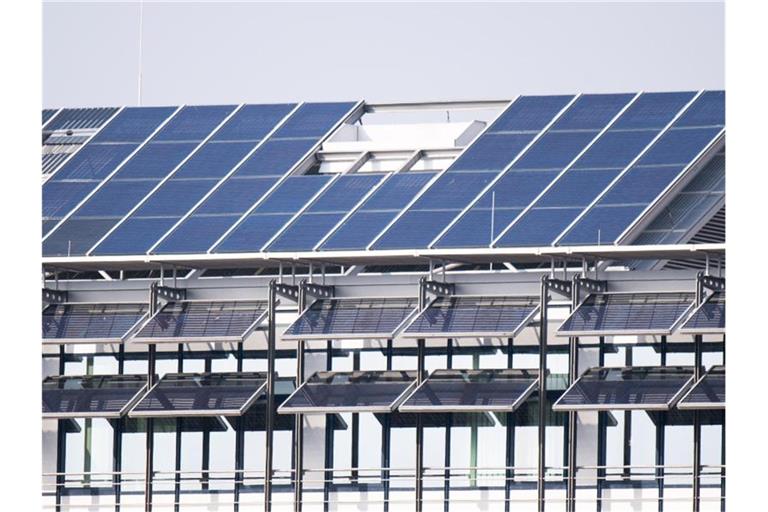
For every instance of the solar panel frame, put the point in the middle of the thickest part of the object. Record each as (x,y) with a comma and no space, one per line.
(505,333)
(620,332)
(394,403)
(691,324)
(558,406)
(448,375)
(136,338)
(100,340)
(129,403)
(688,402)
(175,413)
(342,335)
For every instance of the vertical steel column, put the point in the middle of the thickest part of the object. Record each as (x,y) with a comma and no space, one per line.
(627,448)
(510,440)
(355,459)
(298,426)
(329,422)
(601,434)
(205,463)
(660,436)
(419,483)
(385,438)
(722,452)
(542,428)
(177,465)
(239,441)
(61,440)
(573,373)
(696,417)
(149,462)
(448,425)
(269,415)
(117,439)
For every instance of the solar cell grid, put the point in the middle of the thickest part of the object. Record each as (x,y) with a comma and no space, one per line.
(201,394)
(627,313)
(359,391)
(90,323)
(473,316)
(708,318)
(472,390)
(644,388)
(351,318)
(79,118)
(707,393)
(99,396)
(203,321)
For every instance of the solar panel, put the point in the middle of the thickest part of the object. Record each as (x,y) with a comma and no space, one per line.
(91,396)
(79,118)
(201,394)
(472,390)
(359,391)
(90,323)
(708,318)
(707,393)
(190,321)
(351,319)
(627,313)
(643,388)
(436,419)
(456,317)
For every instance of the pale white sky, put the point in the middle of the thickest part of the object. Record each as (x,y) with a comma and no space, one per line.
(215,52)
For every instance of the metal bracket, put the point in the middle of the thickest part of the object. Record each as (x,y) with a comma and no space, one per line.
(438,288)
(54,296)
(170,294)
(288,291)
(716,284)
(561,286)
(593,285)
(318,290)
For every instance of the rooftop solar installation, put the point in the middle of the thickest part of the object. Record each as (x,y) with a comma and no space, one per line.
(201,394)
(191,321)
(642,388)
(628,313)
(472,390)
(707,393)
(351,318)
(91,396)
(458,316)
(90,323)
(359,391)
(708,318)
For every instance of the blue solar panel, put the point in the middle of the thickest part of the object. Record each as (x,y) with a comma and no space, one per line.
(358,231)
(253,233)
(115,198)
(93,162)
(196,234)
(708,110)
(537,226)
(156,160)
(236,195)
(313,120)
(76,236)
(275,157)
(679,146)
(415,228)
(135,236)
(305,232)
(344,193)
(90,322)
(193,123)
(516,189)
(530,113)
(654,110)
(615,149)
(474,228)
(709,317)
(491,152)
(80,118)
(175,198)
(214,159)
(59,197)
(627,313)
(99,396)
(133,124)
(252,122)
(397,191)
(592,111)
(577,187)
(292,194)
(707,393)
(554,150)
(453,189)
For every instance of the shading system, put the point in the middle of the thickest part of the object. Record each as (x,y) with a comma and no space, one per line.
(358,391)
(642,388)
(91,396)
(205,321)
(90,323)
(201,394)
(707,393)
(351,319)
(628,313)
(457,317)
(708,318)
(472,391)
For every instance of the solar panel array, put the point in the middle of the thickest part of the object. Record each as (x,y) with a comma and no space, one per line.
(473,316)
(708,392)
(627,313)
(101,396)
(563,170)
(360,391)
(709,317)
(203,321)
(472,390)
(645,388)
(201,394)
(351,318)
(68,323)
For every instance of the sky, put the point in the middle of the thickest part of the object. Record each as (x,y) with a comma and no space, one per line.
(217,52)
